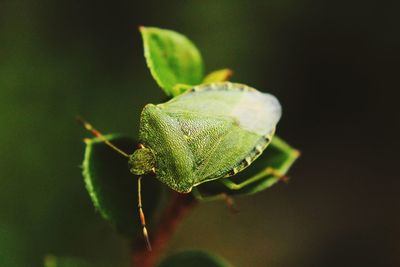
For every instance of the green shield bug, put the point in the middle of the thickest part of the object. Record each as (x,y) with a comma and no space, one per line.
(210,132)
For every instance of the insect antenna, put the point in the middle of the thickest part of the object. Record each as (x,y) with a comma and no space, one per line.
(99,135)
(141,215)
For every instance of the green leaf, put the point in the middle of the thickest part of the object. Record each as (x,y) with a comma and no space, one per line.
(113,189)
(180,88)
(278,155)
(218,76)
(172,58)
(193,258)
(52,261)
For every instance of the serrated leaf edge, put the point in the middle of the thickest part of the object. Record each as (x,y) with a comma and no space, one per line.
(86,170)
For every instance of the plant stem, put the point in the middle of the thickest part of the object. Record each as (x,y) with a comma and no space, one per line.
(170,219)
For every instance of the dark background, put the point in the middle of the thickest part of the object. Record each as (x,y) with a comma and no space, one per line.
(332,64)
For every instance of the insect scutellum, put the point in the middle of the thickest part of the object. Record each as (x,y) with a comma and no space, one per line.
(142,161)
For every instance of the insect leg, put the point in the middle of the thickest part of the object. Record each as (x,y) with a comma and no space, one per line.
(275,175)
(99,135)
(141,215)
(230,203)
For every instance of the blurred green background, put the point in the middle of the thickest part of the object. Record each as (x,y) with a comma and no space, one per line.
(332,64)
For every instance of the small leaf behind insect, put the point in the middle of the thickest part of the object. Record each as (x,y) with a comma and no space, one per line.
(113,189)
(218,76)
(180,88)
(278,155)
(172,59)
(193,258)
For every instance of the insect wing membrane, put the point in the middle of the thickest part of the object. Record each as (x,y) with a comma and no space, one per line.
(253,111)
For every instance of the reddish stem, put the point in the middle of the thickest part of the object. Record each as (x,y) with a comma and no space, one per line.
(172,216)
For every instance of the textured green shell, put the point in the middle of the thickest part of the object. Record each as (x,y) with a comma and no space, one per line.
(209,132)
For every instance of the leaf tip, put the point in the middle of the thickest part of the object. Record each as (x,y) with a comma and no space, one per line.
(141,28)
(229,74)
(296,153)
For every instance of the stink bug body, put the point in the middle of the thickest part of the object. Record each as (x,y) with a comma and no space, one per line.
(210,132)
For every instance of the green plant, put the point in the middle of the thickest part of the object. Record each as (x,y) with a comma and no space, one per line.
(176,65)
